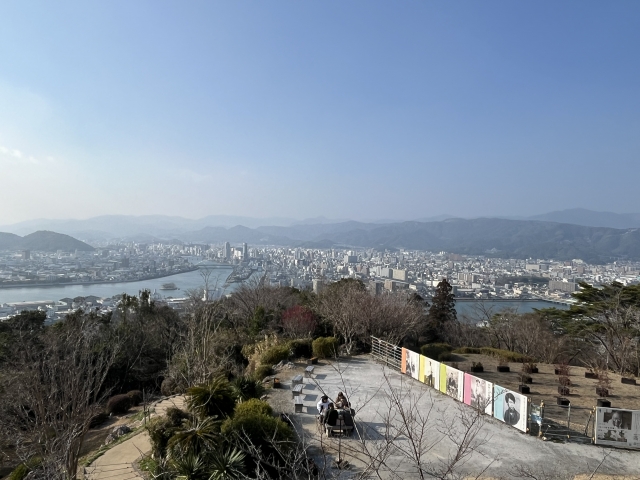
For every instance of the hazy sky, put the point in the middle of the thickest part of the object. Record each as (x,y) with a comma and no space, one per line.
(348,109)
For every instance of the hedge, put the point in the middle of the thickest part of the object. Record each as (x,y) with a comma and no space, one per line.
(262,431)
(325,347)
(262,371)
(252,407)
(301,348)
(98,419)
(275,354)
(496,352)
(135,396)
(168,387)
(437,351)
(119,404)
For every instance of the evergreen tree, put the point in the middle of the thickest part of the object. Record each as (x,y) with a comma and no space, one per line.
(442,310)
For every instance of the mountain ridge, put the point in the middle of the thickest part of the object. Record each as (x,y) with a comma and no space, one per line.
(44,241)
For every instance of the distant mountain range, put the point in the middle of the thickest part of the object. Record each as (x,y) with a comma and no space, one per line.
(43,241)
(545,236)
(164,227)
(590,218)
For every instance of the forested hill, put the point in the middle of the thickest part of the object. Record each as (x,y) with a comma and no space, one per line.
(43,241)
(512,238)
(482,236)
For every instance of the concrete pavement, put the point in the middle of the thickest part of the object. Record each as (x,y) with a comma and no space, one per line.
(117,462)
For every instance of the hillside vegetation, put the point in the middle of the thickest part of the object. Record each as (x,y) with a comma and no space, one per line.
(43,241)
(57,381)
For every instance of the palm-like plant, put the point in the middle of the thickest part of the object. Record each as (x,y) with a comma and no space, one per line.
(213,398)
(245,388)
(195,436)
(227,465)
(189,467)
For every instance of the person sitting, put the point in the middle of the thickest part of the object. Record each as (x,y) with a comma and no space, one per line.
(323,404)
(330,416)
(341,401)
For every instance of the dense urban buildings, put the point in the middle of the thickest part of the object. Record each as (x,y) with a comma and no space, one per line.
(383,271)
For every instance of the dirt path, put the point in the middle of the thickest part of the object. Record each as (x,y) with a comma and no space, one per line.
(117,462)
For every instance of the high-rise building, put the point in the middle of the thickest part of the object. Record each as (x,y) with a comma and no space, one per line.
(568,287)
(227,251)
(318,285)
(400,275)
(245,252)
(350,259)
(26,254)
(376,288)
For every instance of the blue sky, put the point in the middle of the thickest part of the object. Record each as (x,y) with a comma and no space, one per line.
(356,109)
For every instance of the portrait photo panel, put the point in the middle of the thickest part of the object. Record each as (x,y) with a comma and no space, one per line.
(510,407)
(452,382)
(618,427)
(429,372)
(413,364)
(478,393)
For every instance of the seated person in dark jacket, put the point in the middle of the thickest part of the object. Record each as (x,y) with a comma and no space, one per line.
(331,416)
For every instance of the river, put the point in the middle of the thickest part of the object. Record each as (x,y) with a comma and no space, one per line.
(184,281)
(192,280)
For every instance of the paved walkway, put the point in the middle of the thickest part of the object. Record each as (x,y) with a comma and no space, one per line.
(117,462)
(501,449)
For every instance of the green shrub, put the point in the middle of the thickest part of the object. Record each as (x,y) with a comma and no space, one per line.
(495,352)
(301,348)
(176,416)
(160,431)
(325,347)
(506,354)
(434,350)
(275,354)
(262,371)
(135,396)
(213,398)
(98,419)
(253,406)
(467,350)
(168,387)
(245,388)
(22,470)
(261,430)
(119,404)
(444,357)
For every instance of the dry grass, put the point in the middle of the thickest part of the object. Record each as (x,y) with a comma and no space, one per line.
(545,383)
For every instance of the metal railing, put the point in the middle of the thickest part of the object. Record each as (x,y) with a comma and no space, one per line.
(566,422)
(387,353)
(562,422)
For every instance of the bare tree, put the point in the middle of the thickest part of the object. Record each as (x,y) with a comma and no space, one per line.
(205,348)
(57,386)
(355,315)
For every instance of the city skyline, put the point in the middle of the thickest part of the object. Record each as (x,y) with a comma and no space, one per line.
(365,110)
